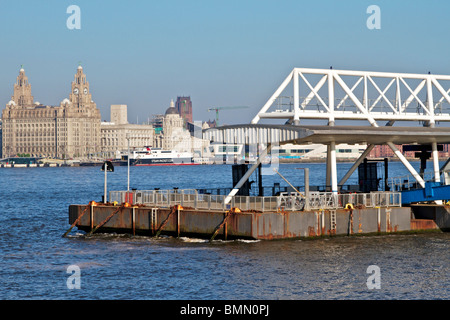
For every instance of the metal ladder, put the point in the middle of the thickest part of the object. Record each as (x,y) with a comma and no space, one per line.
(153,220)
(333,221)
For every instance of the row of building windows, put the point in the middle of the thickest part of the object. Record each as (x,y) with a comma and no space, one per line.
(33,125)
(35,139)
(282,151)
(36,149)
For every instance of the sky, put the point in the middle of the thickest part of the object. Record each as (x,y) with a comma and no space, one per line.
(220,53)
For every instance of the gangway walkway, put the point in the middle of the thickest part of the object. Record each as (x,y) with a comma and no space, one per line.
(388,102)
(412,192)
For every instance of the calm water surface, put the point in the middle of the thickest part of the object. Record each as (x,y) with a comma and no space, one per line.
(34,256)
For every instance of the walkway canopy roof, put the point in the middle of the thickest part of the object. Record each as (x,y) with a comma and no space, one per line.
(283,134)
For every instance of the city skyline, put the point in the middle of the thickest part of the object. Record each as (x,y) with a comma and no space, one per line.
(144,54)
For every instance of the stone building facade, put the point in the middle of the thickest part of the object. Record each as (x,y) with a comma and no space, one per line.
(174,135)
(116,133)
(74,128)
(69,130)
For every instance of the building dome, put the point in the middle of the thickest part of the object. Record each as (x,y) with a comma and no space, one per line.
(11,103)
(65,101)
(171,110)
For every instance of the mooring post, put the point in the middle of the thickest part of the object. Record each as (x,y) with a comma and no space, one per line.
(92,217)
(379,219)
(133,220)
(178,223)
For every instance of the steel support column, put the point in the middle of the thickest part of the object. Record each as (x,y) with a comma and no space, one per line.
(296,98)
(406,164)
(437,176)
(333,166)
(356,164)
(247,175)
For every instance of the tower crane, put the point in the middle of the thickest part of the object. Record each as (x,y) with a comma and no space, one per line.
(223,108)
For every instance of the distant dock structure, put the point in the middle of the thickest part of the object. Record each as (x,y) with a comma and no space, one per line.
(356,107)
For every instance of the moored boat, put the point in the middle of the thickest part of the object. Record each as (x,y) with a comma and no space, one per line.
(148,156)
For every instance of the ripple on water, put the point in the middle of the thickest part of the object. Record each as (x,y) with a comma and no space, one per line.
(35,257)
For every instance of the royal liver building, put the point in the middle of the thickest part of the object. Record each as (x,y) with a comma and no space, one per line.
(69,130)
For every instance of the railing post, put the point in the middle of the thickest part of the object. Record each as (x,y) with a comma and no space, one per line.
(195,199)
(306,189)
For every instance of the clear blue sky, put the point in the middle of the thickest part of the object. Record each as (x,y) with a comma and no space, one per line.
(221,53)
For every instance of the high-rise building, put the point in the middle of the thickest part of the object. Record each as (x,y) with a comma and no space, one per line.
(184,109)
(69,130)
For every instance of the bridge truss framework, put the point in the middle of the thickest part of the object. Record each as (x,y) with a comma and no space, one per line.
(354,96)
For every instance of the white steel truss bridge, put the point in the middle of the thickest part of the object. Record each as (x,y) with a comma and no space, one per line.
(351,97)
(360,95)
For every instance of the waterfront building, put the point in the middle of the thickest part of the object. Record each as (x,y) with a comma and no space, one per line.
(318,151)
(171,134)
(69,130)
(211,124)
(118,134)
(383,151)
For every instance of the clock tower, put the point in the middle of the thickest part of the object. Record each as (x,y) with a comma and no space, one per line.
(80,126)
(80,96)
(22,92)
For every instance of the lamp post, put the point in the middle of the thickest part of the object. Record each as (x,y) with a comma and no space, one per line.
(107,166)
(128,160)
(306,182)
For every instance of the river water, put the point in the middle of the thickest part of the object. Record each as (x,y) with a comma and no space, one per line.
(37,263)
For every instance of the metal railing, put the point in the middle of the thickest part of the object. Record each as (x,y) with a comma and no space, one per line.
(289,201)
(408,182)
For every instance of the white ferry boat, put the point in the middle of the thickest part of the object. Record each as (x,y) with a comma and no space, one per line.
(148,156)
